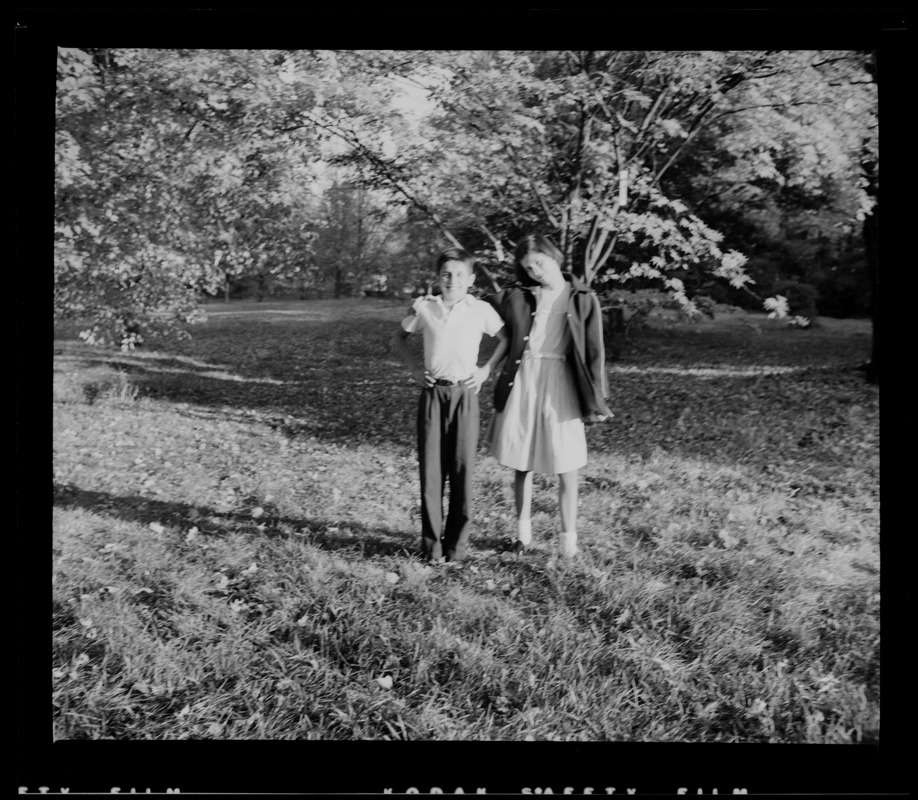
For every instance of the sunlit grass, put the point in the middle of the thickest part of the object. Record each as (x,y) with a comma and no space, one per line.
(234,558)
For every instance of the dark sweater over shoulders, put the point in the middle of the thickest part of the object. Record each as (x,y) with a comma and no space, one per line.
(516,305)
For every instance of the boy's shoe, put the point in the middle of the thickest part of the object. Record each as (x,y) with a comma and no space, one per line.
(514,546)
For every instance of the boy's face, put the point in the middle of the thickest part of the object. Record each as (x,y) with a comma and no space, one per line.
(456,278)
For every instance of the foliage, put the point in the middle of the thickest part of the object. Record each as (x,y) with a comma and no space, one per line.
(801,298)
(232,546)
(788,184)
(176,187)
(210,167)
(354,237)
(587,146)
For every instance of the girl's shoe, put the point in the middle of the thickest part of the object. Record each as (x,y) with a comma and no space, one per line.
(524,532)
(568,543)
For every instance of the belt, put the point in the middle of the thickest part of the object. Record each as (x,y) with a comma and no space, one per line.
(552,356)
(444,382)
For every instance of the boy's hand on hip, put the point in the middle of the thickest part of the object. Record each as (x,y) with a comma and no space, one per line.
(477,378)
(423,377)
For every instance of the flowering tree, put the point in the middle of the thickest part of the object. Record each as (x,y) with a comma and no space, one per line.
(588,146)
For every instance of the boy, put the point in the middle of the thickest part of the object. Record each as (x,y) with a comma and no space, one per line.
(451,325)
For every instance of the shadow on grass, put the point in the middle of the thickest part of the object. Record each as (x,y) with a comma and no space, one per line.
(302,381)
(341,535)
(340,382)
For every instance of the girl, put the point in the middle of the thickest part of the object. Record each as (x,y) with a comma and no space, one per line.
(553,380)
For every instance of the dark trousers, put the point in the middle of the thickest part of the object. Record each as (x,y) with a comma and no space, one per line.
(448,423)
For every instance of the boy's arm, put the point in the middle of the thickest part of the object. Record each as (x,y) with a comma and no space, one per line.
(400,342)
(480,375)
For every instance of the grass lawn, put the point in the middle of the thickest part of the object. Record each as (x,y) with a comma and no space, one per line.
(235,519)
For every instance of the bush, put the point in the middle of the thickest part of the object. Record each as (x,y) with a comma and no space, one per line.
(802,298)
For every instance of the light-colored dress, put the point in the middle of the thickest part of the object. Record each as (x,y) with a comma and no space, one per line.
(540,428)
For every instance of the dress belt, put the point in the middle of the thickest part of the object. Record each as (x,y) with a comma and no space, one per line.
(553,356)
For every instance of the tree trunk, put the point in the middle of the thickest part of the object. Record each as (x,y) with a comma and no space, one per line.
(871,234)
(872,243)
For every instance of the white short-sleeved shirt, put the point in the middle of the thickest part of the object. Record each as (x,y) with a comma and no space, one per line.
(452,335)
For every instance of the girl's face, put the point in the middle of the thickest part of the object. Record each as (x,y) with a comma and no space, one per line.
(541,268)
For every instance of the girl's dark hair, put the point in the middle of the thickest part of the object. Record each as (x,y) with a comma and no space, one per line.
(456,254)
(533,243)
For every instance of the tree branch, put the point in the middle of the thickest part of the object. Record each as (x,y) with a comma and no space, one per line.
(654,111)
(604,257)
(387,174)
(514,159)
(495,240)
